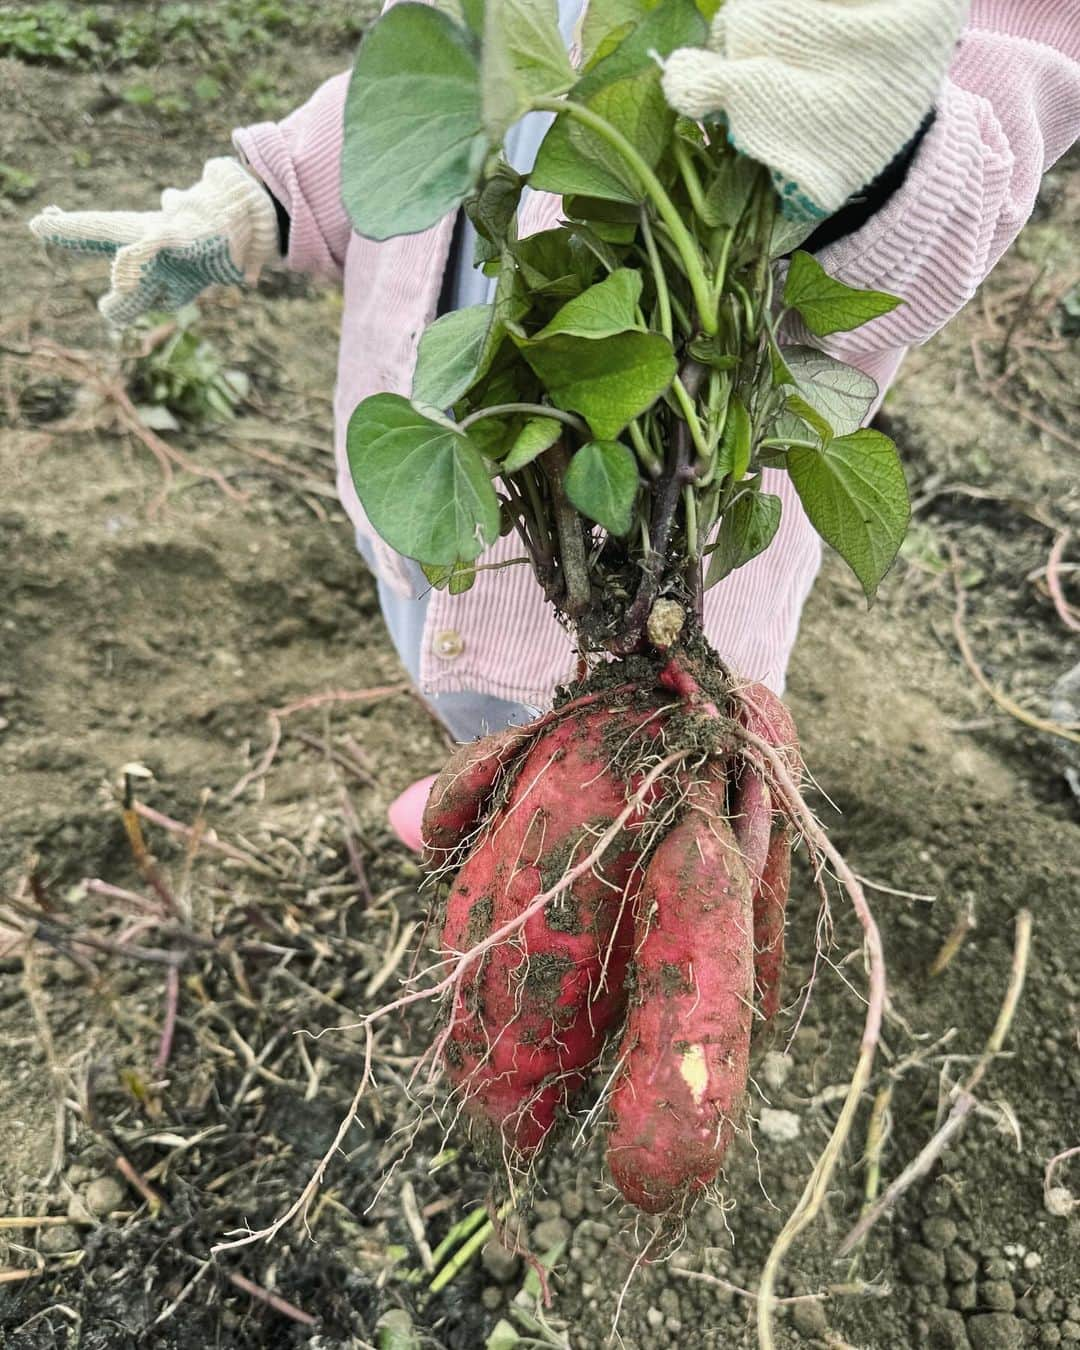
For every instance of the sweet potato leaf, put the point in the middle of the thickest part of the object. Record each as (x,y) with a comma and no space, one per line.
(624,88)
(746,530)
(606,23)
(423,484)
(827,305)
(457,578)
(608,380)
(608,307)
(448,358)
(414,137)
(524,58)
(854,492)
(574,159)
(537,435)
(735,445)
(602,482)
(839,392)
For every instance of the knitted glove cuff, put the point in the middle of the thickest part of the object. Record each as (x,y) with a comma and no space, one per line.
(230,200)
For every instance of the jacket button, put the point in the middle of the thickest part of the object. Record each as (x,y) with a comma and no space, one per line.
(448,644)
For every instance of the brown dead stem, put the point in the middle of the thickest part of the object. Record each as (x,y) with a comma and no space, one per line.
(1003,701)
(272,1300)
(276,716)
(86,368)
(964,1100)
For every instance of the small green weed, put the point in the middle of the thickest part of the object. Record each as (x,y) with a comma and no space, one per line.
(185,380)
(16,184)
(97,36)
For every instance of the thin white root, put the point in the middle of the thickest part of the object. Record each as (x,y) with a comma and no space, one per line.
(813,1196)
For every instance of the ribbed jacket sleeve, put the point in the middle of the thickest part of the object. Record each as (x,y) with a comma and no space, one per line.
(299,160)
(1009,108)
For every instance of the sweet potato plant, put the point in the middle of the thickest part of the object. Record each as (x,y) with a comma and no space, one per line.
(617,871)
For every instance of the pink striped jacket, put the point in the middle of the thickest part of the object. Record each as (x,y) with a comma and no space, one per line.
(1009,107)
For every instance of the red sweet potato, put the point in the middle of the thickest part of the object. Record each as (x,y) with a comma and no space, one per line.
(766,716)
(686,1044)
(770,907)
(752,820)
(530,1017)
(462,791)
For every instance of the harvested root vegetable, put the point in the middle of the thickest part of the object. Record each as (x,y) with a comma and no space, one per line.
(530,1018)
(460,794)
(770,914)
(666,914)
(766,840)
(685,1051)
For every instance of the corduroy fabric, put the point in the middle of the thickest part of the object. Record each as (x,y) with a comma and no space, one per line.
(1010,106)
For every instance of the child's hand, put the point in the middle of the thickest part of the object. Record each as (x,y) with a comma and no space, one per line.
(222,230)
(825,92)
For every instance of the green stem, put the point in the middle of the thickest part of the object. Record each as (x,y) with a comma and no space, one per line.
(721,268)
(663,295)
(693,549)
(571,534)
(683,240)
(763,273)
(690,417)
(690,177)
(652,463)
(779,443)
(464,1228)
(747,304)
(535,409)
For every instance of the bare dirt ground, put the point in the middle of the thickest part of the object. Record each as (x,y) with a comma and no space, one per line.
(161,632)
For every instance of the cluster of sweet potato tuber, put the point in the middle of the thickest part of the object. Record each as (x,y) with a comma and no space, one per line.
(622,870)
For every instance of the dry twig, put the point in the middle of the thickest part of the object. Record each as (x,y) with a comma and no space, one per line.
(964,1097)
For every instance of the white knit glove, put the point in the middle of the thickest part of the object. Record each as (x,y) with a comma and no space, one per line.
(221,230)
(825,92)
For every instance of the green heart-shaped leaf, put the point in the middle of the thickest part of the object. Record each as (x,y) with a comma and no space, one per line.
(730,191)
(574,159)
(457,578)
(448,358)
(624,88)
(423,484)
(524,58)
(856,497)
(839,392)
(492,211)
(606,20)
(414,138)
(537,435)
(602,482)
(746,530)
(735,445)
(608,380)
(608,307)
(802,412)
(827,305)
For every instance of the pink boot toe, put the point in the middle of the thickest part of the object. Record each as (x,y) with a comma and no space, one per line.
(406,813)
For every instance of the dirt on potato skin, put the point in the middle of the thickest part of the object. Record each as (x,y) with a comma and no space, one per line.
(165,642)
